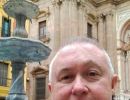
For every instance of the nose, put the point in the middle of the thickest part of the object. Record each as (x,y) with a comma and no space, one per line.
(79,87)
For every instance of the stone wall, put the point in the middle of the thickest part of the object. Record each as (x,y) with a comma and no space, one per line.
(67,19)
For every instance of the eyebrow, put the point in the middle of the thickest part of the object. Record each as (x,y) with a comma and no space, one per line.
(65,70)
(89,64)
(92,64)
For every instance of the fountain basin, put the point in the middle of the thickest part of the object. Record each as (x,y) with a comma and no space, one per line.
(28,9)
(22,50)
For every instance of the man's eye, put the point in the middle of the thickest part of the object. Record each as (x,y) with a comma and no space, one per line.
(67,78)
(92,75)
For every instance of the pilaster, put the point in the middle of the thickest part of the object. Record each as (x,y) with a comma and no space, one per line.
(111,36)
(101,30)
(119,59)
(81,18)
(73,16)
(56,11)
(128,71)
(123,82)
(64,21)
(109,31)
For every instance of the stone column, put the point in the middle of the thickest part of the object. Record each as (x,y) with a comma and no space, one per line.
(114,39)
(128,71)
(64,21)
(125,71)
(109,33)
(95,34)
(110,36)
(101,34)
(81,19)
(69,20)
(73,16)
(119,59)
(57,32)
(122,72)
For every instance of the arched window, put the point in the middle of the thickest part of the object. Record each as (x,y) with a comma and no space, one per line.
(125,61)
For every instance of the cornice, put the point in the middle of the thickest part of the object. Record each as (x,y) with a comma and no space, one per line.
(99,4)
(93,3)
(117,2)
(114,2)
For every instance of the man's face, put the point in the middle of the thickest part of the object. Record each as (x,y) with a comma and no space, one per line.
(81,72)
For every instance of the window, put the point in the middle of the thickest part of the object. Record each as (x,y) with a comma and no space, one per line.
(89,30)
(3,74)
(40,88)
(5,27)
(2,98)
(42,30)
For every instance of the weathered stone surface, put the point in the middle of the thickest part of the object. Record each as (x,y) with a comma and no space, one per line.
(13,7)
(22,50)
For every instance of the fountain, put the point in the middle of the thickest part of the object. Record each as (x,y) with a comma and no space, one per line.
(19,49)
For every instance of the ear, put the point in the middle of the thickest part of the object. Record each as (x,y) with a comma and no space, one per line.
(114,81)
(50,87)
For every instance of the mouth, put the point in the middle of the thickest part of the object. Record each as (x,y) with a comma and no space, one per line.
(79,99)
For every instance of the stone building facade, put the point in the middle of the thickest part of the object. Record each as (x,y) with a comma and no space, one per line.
(107,21)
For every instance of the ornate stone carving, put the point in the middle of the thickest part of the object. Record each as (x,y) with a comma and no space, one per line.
(122,17)
(80,4)
(101,17)
(104,15)
(43,13)
(57,2)
(76,2)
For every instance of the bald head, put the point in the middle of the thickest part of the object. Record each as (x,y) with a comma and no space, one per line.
(80,48)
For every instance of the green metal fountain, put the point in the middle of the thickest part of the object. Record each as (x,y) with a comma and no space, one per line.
(18,48)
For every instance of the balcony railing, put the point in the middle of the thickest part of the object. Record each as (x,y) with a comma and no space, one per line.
(5,82)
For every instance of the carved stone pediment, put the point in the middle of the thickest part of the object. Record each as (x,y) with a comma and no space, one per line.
(92,17)
(43,13)
(39,70)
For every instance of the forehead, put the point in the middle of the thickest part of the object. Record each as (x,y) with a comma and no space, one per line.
(81,49)
(79,54)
